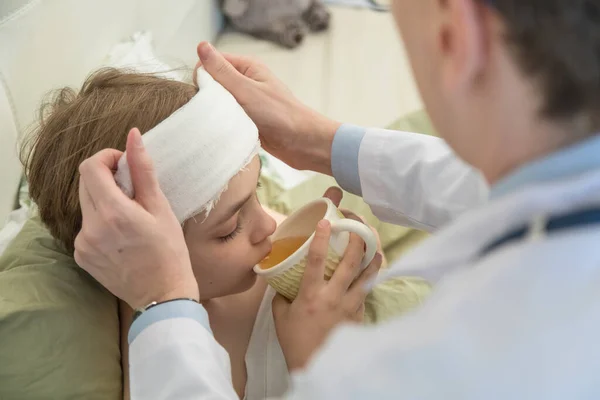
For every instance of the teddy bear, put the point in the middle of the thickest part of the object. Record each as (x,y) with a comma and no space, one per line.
(282,21)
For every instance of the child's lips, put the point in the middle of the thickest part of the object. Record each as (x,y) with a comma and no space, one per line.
(268,248)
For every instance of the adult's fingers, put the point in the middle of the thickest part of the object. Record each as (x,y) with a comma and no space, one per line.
(249,67)
(360,218)
(220,68)
(359,289)
(349,268)
(334,194)
(143,177)
(97,173)
(349,214)
(246,66)
(243,64)
(88,208)
(359,316)
(314,273)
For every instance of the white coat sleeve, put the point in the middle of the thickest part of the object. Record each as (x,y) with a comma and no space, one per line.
(174,356)
(408,179)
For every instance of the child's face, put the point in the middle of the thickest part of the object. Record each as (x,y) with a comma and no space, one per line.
(226,246)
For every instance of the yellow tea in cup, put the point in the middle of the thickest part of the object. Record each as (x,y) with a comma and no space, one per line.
(282,249)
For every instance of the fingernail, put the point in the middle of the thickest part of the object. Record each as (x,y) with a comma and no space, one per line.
(137,139)
(324,224)
(205,50)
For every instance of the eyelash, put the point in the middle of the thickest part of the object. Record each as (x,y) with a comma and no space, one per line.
(233,234)
(238,228)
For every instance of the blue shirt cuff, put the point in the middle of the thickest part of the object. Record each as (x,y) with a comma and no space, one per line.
(170,310)
(344,157)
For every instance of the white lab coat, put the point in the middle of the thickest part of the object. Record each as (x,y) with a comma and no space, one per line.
(520,323)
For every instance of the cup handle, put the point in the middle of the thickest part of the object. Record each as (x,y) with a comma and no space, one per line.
(362,230)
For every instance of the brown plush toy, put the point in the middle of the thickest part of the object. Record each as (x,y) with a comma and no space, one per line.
(281,21)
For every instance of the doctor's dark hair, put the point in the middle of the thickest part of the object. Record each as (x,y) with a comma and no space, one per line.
(76,125)
(557,42)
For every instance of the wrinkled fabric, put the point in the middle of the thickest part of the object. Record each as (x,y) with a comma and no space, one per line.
(59,329)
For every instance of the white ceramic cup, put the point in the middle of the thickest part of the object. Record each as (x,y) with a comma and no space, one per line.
(286,276)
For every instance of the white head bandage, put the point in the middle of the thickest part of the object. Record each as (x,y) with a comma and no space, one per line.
(198,149)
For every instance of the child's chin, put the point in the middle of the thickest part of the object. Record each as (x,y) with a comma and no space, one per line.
(247,283)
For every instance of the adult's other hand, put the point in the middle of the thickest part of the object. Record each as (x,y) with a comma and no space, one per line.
(134,247)
(288,129)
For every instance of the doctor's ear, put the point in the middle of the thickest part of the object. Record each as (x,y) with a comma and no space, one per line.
(462,36)
(235,8)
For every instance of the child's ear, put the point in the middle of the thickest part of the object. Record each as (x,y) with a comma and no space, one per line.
(235,8)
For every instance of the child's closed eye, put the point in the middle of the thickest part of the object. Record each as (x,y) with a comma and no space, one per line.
(233,234)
